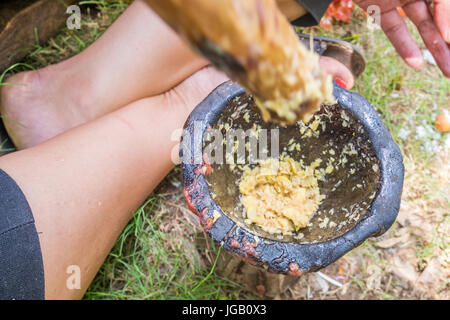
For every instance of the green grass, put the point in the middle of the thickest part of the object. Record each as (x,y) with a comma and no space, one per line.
(147,263)
(407,101)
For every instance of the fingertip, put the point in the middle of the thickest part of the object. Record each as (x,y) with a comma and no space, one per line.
(415,62)
(346,83)
(337,70)
(341,82)
(441,14)
(349,81)
(447,35)
(446,73)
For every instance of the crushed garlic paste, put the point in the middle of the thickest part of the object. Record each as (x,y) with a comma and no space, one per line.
(280,196)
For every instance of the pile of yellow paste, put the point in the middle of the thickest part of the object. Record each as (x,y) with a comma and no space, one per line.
(280,196)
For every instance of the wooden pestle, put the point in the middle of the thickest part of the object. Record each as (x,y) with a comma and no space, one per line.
(253,42)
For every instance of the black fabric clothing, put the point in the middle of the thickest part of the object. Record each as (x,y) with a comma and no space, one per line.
(21,266)
(316,9)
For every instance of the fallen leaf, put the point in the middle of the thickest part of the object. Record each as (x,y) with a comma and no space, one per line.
(261,290)
(373,282)
(404,270)
(432,279)
(432,274)
(391,242)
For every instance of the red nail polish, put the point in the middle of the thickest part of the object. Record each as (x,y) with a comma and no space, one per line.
(341,82)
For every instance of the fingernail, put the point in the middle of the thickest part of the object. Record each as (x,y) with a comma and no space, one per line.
(341,82)
(415,62)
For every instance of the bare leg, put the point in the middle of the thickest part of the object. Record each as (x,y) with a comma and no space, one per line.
(137,57)
(84,184)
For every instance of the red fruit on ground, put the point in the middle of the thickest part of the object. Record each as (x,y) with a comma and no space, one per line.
(442,123)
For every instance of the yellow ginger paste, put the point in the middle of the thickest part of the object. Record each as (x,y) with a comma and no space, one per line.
(280,196)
